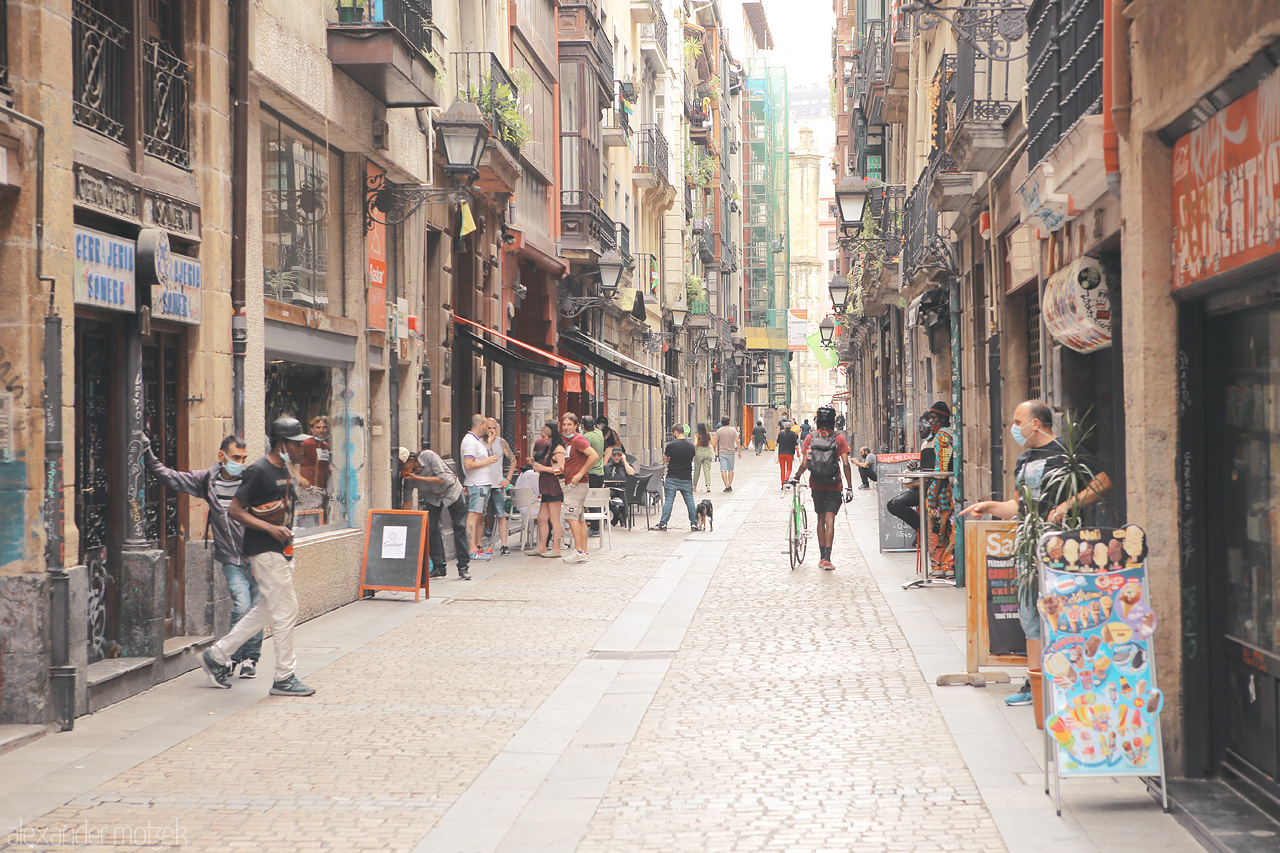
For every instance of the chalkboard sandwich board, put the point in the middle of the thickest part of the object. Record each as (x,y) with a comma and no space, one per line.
(994,630)
(895,534)
(395,542)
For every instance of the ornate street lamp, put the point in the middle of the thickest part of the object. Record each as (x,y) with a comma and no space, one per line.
(679,312)
(827,330)
(712,338)
(463,133)
(611,267)
(851,198)
(839,288)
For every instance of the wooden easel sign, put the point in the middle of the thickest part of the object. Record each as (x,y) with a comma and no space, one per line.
(395,543)
(1102,704)
(991,595)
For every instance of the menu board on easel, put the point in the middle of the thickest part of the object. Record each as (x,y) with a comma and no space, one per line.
(995,632)
(1103,705)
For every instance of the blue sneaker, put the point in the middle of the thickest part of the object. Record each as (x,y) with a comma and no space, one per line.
(481,554)
(1022,697)
(218,674)
(291,686)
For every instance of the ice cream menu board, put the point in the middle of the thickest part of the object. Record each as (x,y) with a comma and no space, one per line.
(1104,706)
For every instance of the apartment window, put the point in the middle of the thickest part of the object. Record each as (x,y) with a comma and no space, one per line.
(1033,346)
(301,241)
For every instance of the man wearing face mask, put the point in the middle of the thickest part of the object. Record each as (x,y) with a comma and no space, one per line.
(264,504)
(218,486)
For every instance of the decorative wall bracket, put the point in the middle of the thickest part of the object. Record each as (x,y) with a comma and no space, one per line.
(389,203)
(990,26)
(572,306)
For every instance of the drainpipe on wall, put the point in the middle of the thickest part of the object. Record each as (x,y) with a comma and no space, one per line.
(957,421)
(62,680)
(239,22)
(1112,74)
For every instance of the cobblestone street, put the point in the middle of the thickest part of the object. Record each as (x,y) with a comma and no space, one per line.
(678,692)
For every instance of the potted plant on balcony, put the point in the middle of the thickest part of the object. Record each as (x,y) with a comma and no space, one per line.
(695,289)
(350,11)
(502,101)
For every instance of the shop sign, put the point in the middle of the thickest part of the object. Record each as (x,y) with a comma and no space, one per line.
(797,329)
(170,215)
(104,271)
(1226,187)
(105,193)
(1077,306)
(182,299)
(825,355)
(376,255)
(1103,717)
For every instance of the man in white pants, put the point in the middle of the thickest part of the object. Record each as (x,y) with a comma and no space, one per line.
(264,505)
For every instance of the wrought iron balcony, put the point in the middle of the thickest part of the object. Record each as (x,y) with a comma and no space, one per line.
(1064,73)
(652,157)
(389,52)
(616,129)
(985,92)
(101,72)
(584,224)
(653,39)
(622,239)
(604,50)
(167,80)
(5,86)
(481,80)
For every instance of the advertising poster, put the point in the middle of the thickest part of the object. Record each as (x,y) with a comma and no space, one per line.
(1103,714)
(797,329)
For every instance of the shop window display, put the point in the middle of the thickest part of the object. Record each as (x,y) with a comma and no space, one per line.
(327,477)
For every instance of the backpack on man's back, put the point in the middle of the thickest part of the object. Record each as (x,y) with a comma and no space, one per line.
(824,460)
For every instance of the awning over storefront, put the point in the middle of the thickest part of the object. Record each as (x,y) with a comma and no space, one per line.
(519,355)
(611,361)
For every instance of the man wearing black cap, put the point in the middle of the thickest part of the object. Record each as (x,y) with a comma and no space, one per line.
(264,505)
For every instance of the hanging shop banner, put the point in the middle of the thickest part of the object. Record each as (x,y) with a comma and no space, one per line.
(825,355)
(991,595)
(1077,306)
(1226,188)
(105,271)
(375,248)
(797,329)
(895,534)
(1102,716)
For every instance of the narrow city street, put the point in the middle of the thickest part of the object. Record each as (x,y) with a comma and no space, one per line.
(678,692)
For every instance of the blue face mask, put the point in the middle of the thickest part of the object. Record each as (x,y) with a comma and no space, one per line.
(1018,436)
(233,469)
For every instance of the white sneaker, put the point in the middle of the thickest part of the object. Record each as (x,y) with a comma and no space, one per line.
(577,557)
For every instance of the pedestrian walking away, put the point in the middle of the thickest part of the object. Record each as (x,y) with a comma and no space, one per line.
(825,455)
(729,447)
(786,444)
(805,429)
(264,505)
(548,462)
(759,437)
(440,492)
(477,471)
(703,453)
(218,485)
(1038,472)
(579,458)
(678,456)
(502,474)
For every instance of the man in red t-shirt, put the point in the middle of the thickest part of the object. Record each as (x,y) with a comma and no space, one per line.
(579,457)
(824,454)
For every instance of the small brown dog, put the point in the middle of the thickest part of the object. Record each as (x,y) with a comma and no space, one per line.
(706,516)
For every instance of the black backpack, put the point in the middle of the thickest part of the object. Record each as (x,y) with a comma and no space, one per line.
(824,460)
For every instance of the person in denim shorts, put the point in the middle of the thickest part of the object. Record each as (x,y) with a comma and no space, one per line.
(477,468)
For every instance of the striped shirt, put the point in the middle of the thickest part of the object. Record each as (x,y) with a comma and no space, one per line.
(225,490)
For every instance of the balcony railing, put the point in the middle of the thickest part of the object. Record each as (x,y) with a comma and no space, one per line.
(483,81)
(654,154)
(167,80)
(1064,76)
(600,229)
(604,49)
(5,85)
(101,78)
(700,306)
(411,17)
(622,239)
(657,31)
(984,88)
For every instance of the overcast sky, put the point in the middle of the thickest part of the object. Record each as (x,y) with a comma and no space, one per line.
(802,38)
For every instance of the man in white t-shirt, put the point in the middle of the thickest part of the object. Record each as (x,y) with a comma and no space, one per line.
(477,471)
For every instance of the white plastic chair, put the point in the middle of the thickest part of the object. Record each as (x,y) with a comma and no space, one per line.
(526,502)
(597,509)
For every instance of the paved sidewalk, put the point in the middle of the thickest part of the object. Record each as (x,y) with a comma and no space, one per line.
(680,692)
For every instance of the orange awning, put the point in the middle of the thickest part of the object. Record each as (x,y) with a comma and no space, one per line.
(573,371)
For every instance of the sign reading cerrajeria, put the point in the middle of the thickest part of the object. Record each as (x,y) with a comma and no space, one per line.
(104,271)
(181,299)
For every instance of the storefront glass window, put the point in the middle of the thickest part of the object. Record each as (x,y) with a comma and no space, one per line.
(301,255)
(1251,381)
(317,396)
